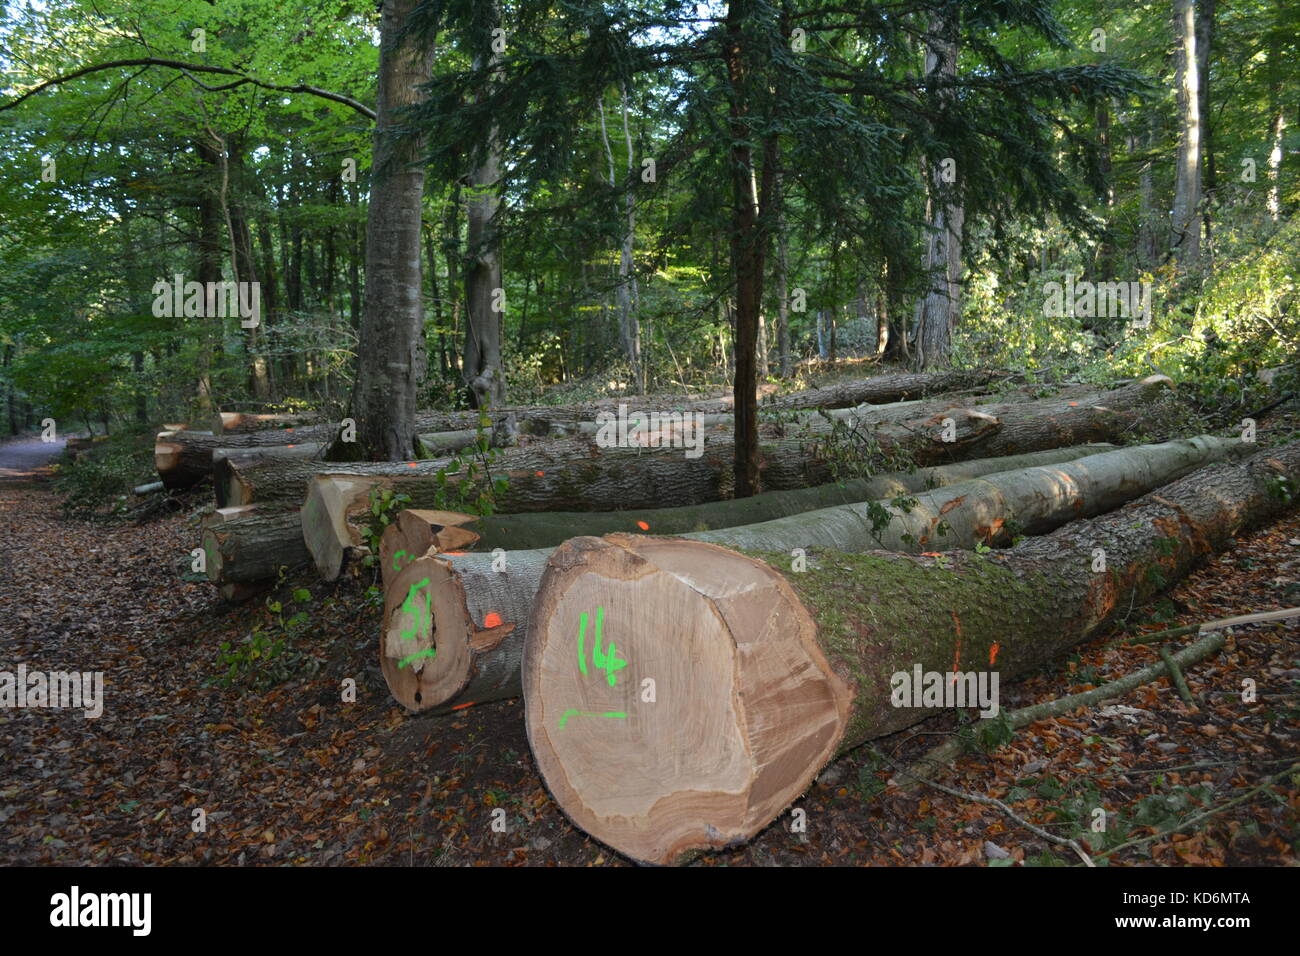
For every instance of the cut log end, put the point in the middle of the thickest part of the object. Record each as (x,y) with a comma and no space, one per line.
(425,650)
(701,688)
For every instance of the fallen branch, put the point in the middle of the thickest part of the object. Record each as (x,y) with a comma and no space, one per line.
(952,748)
(994,802)
(1250,794)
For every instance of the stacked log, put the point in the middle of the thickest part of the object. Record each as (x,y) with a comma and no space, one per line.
(761,673)
(580,475)
(477,606)
(252,543)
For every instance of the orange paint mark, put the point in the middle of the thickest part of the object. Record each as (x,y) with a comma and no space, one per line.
(540,473)
(412,464)
(993,654)
(956,656)
(290,446)
(463,706)
(1074,404)
(288,429)
(931,554)
(492,620)
(643,526)
(454,554)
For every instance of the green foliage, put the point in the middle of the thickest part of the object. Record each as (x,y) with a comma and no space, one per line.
(268,656)
(384,506)
(100,482)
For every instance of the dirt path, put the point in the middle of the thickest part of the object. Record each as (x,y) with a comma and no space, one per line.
(292,771)
(27,458)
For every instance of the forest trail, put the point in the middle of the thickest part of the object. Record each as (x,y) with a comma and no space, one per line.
(27,458)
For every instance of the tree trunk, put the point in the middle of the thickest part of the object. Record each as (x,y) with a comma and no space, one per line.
(1148,241)
(746,244)
(1277,125)
(762,674)
(252,543)
(465,591)
(1185,235)
(209,270)
(481,369)
(938,312)
(782,277)
(547,529)
(336,512)
(390,353)
(579,475)
(1205,30)
(415,531)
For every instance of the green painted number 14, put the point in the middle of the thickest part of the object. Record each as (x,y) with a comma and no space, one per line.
(608,662)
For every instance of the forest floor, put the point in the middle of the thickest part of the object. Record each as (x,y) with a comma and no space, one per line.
(287,773)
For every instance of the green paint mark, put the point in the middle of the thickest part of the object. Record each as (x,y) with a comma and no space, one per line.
(395,557)
(582,654)
(588,713)
(610,662)
(419,612)
(427,652)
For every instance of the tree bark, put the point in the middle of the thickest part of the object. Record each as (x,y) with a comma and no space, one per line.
(390,353)
(1185,235)
(465,591)
(746,244)
(481,369)
(547,529)
(763,674)
(577,475)
(938,312)
(252,543)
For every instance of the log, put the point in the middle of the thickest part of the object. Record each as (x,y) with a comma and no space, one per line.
(245,422)
(309,450)
(416,531)
(572,472)
(884,388)
(547,529)
(147,489)
(762,675)
(251,543)
(337,511)
(578,475)
(185,458)
(1111,416)
(182,463)
(478,616)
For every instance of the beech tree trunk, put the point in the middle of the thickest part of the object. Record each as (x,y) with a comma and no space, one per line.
(938,311)
(252,543)
(243,422)
(577,475)
(481,368)
(476,607)
(1185,235)
(546,529)
(762,674)
(184,458)
(391,359)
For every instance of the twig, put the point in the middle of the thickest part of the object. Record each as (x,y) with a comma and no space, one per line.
(1209,626)
(186,68)
(1176,678)
(949,751)
(1294,768)
(994,802)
